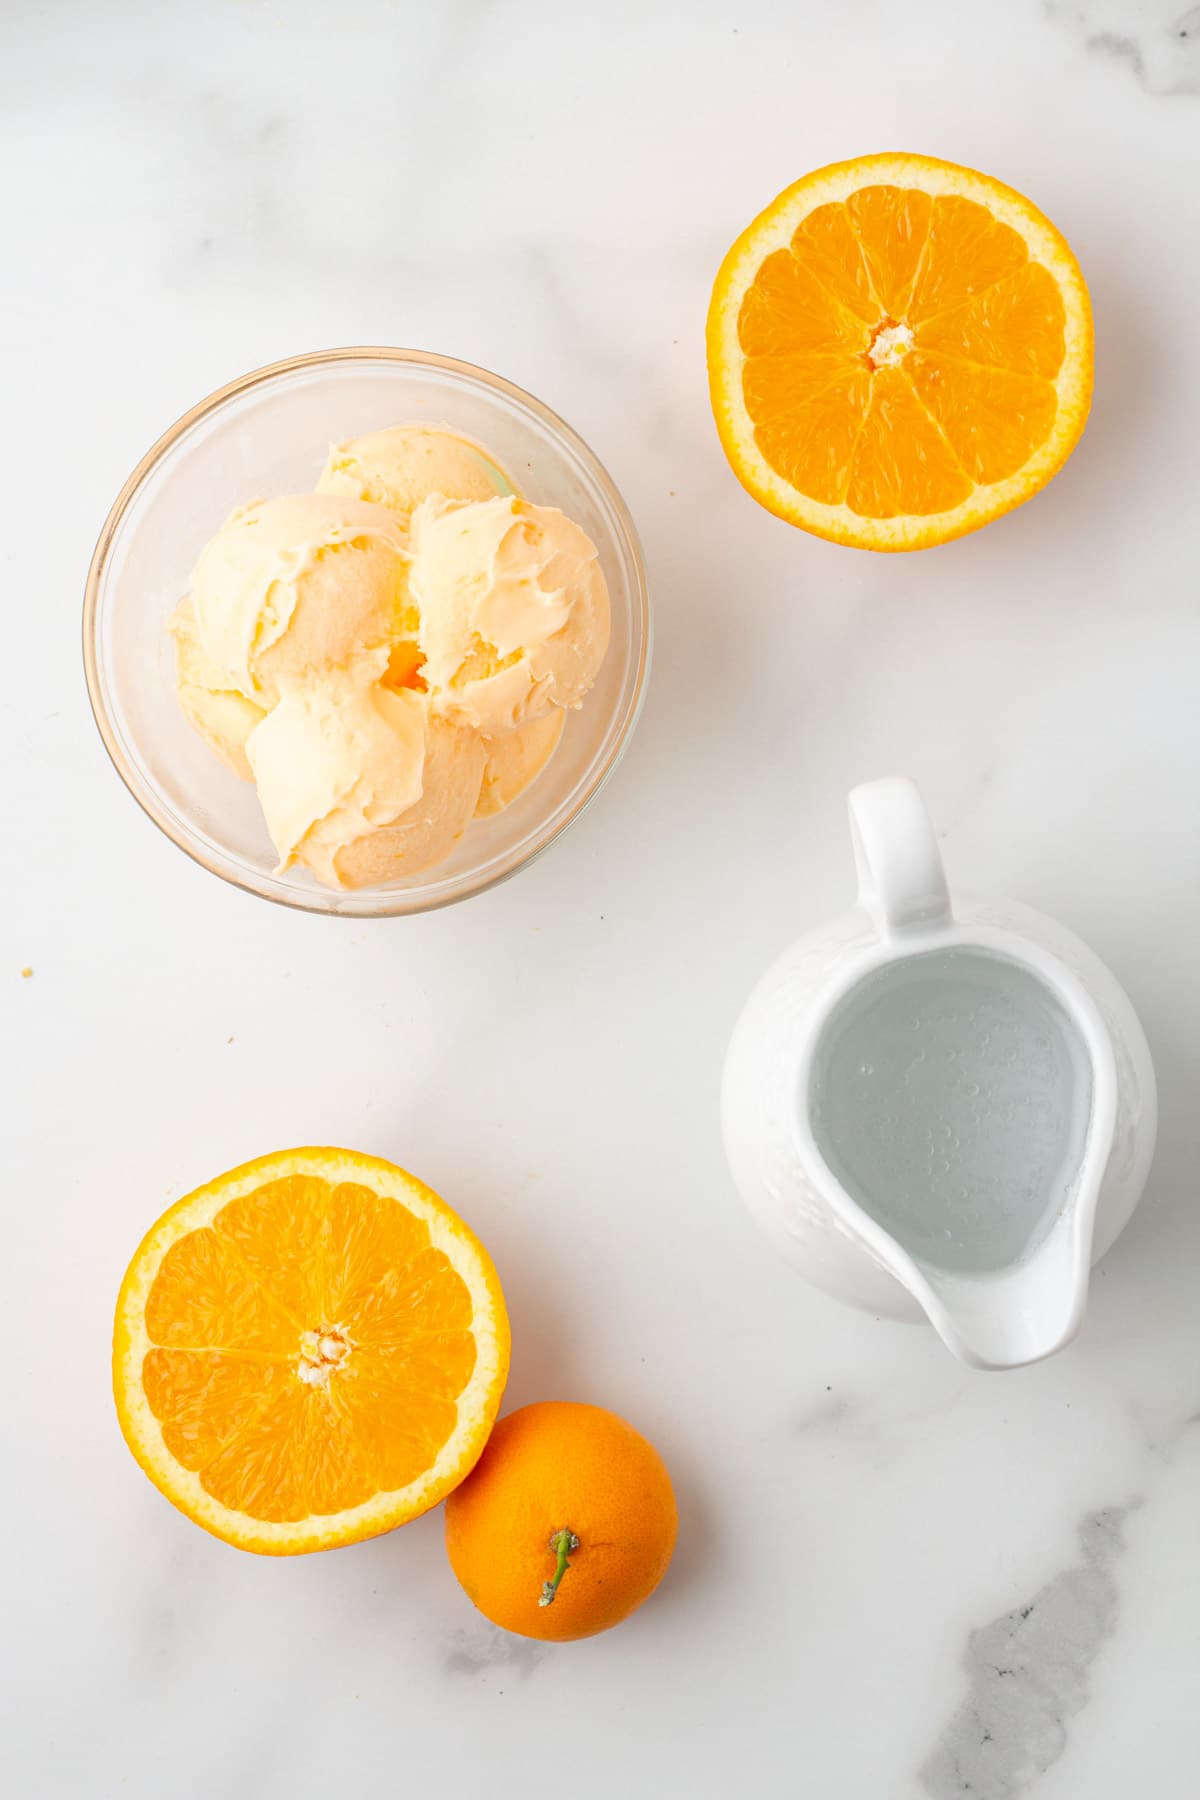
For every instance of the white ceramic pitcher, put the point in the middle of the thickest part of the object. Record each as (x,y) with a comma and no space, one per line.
(993,1318)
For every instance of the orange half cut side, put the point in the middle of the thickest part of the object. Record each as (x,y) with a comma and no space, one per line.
(899,351)
(308,1351)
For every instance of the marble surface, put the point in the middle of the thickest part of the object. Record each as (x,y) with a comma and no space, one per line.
(895,1578)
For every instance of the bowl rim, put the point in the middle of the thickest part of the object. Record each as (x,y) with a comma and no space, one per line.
(407,903)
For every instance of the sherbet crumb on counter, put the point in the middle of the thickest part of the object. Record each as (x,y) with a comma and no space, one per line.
(392,656)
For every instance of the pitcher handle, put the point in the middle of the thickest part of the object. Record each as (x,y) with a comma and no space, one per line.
(901,882)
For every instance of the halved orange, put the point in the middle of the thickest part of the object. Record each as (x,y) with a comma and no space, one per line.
(899,350)
(308,1351)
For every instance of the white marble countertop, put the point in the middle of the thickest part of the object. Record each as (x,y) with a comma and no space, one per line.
(896,1579)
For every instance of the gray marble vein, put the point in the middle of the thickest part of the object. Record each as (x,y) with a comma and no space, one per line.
(484,1649)
(1028,1675)
(1157,39)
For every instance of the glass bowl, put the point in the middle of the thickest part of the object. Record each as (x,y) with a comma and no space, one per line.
(268,433)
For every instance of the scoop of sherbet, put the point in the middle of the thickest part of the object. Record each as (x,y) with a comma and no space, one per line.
(299,584)
(429,830)
(405,464)
(223,717)
(359,782)
(514,614)
(516,759)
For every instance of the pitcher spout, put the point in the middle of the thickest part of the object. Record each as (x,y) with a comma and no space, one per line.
(1026,1311)
(1013,1316)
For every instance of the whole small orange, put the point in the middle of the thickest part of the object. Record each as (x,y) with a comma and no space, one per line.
(566,1523)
